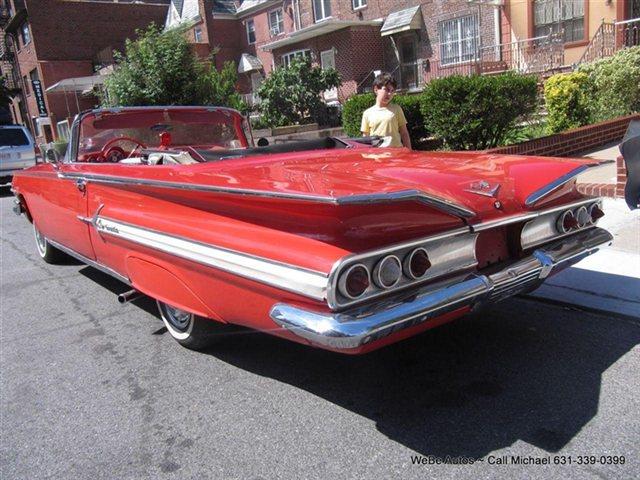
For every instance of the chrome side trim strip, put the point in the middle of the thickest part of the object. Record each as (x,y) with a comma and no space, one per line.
(405,195)
(359,326)
(558,182)
(501,222)
(437,202)
(88,261)
(294,279)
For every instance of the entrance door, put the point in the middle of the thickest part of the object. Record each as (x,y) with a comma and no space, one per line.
(408,62)
(328,60)
(256,82)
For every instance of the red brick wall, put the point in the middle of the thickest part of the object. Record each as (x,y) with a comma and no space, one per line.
(573,141)
(95,25)
(350,62)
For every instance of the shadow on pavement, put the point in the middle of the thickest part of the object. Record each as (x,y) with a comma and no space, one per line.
(522,370)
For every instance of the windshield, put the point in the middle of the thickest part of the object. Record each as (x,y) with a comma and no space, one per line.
(103,134)
(13,137)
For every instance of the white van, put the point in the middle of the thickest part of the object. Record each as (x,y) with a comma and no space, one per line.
(17,151)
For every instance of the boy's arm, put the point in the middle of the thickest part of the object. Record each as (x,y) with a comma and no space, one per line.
(364,127)
(404,132)
(404,136)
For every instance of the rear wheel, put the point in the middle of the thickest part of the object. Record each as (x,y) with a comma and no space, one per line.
(189,330)
(47,252)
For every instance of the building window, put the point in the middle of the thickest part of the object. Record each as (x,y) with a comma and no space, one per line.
(251,32)
(276,22)
(553,16)
(287,57)
(197,34)
(321,9)
(25,35)
(27,86)
(358,4)
(459,39)
(33,74)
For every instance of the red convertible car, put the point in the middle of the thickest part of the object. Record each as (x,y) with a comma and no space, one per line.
(337,243)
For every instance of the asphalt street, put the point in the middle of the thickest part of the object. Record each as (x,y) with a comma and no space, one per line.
(93,389)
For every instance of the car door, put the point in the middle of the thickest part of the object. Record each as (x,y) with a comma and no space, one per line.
(58,205)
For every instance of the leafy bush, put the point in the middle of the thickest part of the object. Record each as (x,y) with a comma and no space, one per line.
(357,104)
(614,84)
(158,68)
(291,94)
(415,121)
(476,112)
(567,97)
(352,111)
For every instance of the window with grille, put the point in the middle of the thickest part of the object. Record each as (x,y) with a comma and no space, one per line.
(287,57)
(251,31)
(459,39)
(321,9)
(276,22)
(553,16)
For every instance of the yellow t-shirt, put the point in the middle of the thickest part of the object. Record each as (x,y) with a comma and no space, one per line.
(384,121)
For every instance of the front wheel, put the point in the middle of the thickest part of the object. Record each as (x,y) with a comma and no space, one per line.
(189,330)
(47,252)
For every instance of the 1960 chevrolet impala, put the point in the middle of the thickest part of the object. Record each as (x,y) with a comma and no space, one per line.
(340,244)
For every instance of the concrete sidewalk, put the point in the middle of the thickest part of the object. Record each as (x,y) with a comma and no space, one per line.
(610,279)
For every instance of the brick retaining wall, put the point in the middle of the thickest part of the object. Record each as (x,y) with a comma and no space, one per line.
(573,141)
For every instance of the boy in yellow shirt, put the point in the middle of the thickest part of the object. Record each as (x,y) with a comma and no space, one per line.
(384,118)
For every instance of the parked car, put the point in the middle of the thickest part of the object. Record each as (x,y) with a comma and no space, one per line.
(17,151)
(332,242)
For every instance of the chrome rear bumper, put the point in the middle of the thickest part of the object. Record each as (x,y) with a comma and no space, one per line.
(361,325)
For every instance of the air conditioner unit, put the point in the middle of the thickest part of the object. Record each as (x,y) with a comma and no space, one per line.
(275,31)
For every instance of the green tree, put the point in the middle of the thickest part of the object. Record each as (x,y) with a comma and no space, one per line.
(291,94)
(159,68)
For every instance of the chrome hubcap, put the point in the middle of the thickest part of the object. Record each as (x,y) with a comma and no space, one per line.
(179,319)
(41,241)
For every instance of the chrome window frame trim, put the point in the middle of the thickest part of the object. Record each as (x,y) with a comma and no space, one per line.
(401,196)
(305,282)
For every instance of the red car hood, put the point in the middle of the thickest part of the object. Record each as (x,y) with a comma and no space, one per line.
(470,179)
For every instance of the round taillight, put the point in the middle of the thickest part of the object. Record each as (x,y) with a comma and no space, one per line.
(354,281)
(387,272)
(566,222)
(417,263)
(595,212)
(582,217)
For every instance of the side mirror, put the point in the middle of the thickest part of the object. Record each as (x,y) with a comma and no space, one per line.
(263,142)
(52,155)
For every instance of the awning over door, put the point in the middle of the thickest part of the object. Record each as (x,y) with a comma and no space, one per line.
(76,84)
(249,63)
(396,22)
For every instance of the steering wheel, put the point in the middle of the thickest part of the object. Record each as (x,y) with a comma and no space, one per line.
(115,154)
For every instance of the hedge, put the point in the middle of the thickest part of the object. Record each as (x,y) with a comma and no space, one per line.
(477,112)
(357,104)
(614,84)
(567,99)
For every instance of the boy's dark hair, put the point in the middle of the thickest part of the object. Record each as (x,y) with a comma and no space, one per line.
(384,79)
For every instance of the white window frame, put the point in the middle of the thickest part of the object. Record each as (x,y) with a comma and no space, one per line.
(278,28)
(25,34)
(324,5)
(197,34)
(287,57)
(458,23)
(249,31)
(358,4)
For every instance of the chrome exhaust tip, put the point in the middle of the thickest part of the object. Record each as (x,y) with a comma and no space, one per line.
(129,296)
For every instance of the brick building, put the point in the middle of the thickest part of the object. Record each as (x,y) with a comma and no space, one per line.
(63,43)
(410,38)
